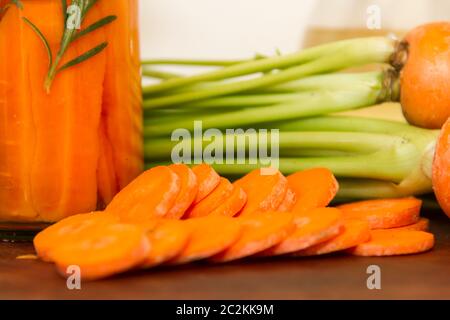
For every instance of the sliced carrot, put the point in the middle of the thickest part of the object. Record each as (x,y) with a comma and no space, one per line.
(149,196)
(384,213)
(261,231)
(422,225)
(235,202)
(104,251)
(394,242)
(441,169)
(288,202)
(355,233)
(209,236)
(207,179)
(212,201)
(68,229)
(264,192)
(321,224)
(167,239)
(314,188)
(188,192)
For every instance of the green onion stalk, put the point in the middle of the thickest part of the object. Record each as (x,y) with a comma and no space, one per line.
(298,95)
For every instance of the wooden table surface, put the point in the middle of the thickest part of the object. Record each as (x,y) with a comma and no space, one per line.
(424,276)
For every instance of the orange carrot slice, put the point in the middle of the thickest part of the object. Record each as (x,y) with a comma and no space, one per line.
(212,201)
(394,242)
(441,169)
(233,204)
(207,179)
(314,188)
(209,236)
(355,233)
(384,213)
(422,225)
(167,239)
(188,192)
(288,202)
(261,231)
(321,224)
(68,229)
(264,192)
(105,251)
(151,195)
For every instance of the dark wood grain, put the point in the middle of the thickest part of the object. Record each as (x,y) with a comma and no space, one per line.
(424,276)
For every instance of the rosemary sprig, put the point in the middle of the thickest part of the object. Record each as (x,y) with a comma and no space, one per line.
(43,39)
(64,10)
(18,3)
(75,12)
(5,7)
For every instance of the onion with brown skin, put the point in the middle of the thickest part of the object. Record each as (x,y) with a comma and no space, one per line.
(425,77)
(441,169)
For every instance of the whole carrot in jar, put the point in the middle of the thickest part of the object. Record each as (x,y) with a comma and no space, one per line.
(70,106)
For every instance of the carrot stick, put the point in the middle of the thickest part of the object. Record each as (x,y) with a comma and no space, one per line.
(107,183)
(441,169)
(151,195)
(422,225)
(71,121)
(384,213)
(261,231)
(264,192)
(104,251)
(288,202)
(16,137)
(355,233)
(314,188)
(394,242)
(122,98)
(235,202)
(81,123)
(321,225)
(220,194)
(188,192)
(207,179)
(167,239)
(209,236)
(68,229)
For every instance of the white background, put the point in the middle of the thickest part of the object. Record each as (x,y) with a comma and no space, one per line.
(239,28)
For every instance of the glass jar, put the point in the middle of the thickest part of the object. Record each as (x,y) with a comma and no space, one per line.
(67,148)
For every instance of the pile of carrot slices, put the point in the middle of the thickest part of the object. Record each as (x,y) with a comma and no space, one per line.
(173,215)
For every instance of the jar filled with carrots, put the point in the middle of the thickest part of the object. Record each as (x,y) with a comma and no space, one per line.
(70,106)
